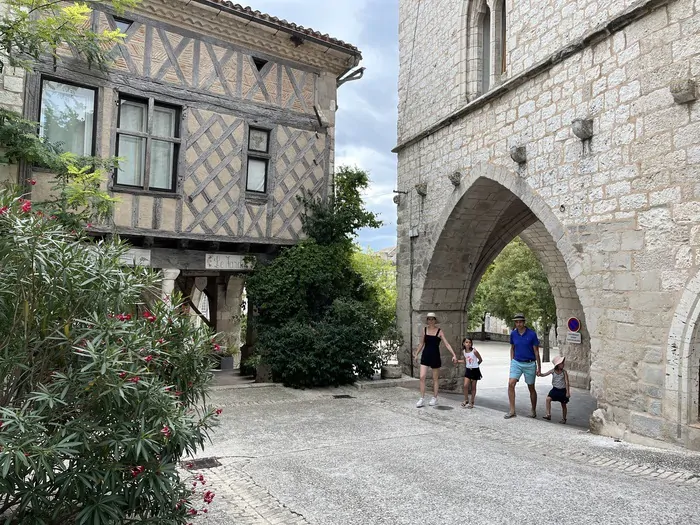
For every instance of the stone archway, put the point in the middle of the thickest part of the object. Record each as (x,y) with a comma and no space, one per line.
(490,207)
(681,401)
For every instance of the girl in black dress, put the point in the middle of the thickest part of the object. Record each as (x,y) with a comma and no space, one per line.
(430,346)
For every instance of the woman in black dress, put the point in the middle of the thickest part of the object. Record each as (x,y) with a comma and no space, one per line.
(430,345)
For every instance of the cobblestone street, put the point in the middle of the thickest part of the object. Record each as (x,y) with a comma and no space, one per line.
(291,457)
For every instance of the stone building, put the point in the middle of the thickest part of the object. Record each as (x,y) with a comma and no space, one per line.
(223,116)
(575,125)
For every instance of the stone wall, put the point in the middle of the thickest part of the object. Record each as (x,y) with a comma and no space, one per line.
(11,98)
(621,211)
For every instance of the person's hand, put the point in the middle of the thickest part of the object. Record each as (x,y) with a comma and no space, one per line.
(454,360)
(568,394)
(539,373)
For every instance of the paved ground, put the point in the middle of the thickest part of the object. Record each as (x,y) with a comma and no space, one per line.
(305,456)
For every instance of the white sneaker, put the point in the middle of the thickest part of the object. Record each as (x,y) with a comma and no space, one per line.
(420,403)
(433,402)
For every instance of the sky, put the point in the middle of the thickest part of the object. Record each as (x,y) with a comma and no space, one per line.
(366,117)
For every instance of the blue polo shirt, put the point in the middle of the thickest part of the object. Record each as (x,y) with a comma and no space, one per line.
(523,344)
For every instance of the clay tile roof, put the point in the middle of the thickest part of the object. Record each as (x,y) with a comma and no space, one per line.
(257,15)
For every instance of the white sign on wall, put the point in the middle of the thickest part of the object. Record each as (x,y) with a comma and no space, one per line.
(136,257)
(220,261)
(573,337)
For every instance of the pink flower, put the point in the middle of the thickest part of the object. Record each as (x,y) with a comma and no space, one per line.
(217,348)
(135,379)
(137,470)
(209,496)
(192,512)
(31,181)
(3,210)
(122,374)
(149,316)
(165,431)
(219,411)
(161,341)
(148,358)
(27,206)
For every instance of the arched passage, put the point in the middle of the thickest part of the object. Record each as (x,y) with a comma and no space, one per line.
(681,402)
(490,208)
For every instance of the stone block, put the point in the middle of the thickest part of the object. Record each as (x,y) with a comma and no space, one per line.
(653,375)
(683,90)
(646,425)
(14,84)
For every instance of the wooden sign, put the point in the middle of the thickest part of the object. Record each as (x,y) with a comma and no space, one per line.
(220,261)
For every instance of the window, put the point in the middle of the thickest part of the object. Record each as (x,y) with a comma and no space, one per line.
(148,141)
(122,24)
(502,42)
(67,116)
(485,33)
(258,159)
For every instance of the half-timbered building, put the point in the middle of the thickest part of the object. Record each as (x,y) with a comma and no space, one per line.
(221,115)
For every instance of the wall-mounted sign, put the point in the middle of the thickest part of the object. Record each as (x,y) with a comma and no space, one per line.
(136,257)
(573,324)
(573,337)
(221,261)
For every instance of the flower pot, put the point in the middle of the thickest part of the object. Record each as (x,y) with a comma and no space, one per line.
(227,362)
(391,372)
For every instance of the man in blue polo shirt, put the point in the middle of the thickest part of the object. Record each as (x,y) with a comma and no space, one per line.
(524,360)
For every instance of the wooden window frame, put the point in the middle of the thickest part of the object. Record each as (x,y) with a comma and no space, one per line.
(51,78)
(151,103)
(265,156)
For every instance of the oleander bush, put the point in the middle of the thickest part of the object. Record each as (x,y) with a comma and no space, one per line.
(101,394)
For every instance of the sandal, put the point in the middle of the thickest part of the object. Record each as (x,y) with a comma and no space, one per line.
(509,416)
(464,404)
(533,414)
(547,417)
(470,406)
(563,421)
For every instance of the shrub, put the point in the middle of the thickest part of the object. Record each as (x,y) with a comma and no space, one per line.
(101,395)
(317,318)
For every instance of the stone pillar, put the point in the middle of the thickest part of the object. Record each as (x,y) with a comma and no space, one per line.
(228,312)
(168,284)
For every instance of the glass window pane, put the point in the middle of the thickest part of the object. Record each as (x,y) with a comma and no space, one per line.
(67,116)
(133,115)
(257,141)
(257,169)
(162,162)
(132,151)
(164,122)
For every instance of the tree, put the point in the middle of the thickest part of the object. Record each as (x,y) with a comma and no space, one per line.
(31,31)
(379,275)
(516,282)
(318,320)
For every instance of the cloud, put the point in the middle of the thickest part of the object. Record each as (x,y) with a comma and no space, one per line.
(367,108)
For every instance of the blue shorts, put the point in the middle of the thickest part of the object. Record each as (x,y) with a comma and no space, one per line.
(518,368)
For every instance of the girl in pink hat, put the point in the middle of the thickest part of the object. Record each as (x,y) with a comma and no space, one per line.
(561,391)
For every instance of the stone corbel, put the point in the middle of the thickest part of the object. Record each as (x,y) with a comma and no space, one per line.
(684,90)
(397,199)
(582,128)
(455,178)
(518,154)
(422,189)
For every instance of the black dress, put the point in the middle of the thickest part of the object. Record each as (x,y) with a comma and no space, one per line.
(431,350)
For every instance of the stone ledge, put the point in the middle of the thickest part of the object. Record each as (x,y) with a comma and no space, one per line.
(405,381)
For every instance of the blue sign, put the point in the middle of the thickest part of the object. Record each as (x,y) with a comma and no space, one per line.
(573,324)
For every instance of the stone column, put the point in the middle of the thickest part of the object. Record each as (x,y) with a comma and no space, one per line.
(168,284)
(228,312)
